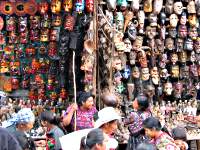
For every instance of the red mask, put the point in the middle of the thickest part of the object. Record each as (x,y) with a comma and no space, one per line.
(90,6)
(69,23)
(15,83)
(1,23)
(43,7)
(52,49)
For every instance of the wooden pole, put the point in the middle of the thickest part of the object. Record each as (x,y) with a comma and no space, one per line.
(74,80)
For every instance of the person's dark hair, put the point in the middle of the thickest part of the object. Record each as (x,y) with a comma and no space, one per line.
(50,117)
(94,137)
(145,146)
(143,102)
(179,133)
(82,97)
(152,123)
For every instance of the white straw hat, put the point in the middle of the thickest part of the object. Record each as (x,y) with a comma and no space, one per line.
(106,115)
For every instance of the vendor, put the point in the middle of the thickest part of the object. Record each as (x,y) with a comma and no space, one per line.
(85,111)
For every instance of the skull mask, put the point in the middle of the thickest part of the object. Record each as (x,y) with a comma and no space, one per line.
(128,44)
(173,20)
(168,88)
(145,74)
(178,7)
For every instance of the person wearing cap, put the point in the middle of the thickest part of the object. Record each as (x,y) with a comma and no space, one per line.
(160,139)
(85,111)
(24,121)
(134,121)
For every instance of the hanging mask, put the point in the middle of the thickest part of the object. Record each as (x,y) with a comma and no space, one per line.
(141,18)
(145,74)
(69,23)
(172,32)
(42,50)
(20,8)
(164,74)
(178,7)
(30,51)
(55,6)
(162,32)
(175,71)
(199,70)
(183,56)
(2,39)
(193,34)
(150,32)
(188,45)
(153,19)
(15,68)
(25,82)
(12,37)
(1,23)
(45,21)
(63,93)
(35,66)
(34,35)
(183,19)
(53,35)
(56,21)
(43,7)
(135,72)
(111,4)
(178,89)
(182,31)
(193,57)
(168,88)
(155,75)
(22,24)
(162,18)
(119,21)
(173,20)
(34,22)
(31,8)
(148,6)
(132,31)
(7,8)
(169,44)
(117,64)
(174,58)
(90,6)
(44,35)
(192,19)
(184,72)
(157,6)
(160,45)
(169,6)
(193,70)
(179,44)
(142,59)
(10,23)
(79,6)
(4,67)
(138,43)
(15,83)
(52,52)
(191,7)
(127,72)
(135,5)
(132,57)
(197,45)
(128,45)
(67,5)
(23,36)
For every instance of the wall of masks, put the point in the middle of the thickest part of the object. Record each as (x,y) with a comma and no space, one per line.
(154,46)
(36,44)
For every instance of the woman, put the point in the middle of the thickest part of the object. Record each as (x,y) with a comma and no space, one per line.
(160,139)
(84,112)
(135,120)
(49,120)
(94,140)
(24,121)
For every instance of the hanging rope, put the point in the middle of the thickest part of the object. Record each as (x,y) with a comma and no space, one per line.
(74,80)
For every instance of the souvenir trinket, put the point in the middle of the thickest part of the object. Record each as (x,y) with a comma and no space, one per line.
(184,72)
(69,23)
(188,45)
(179,44)
(191,7)
(174,71)
(168,88)
(31,8)
(169,6)
(111,4)
(1,23)
(63,93)
(126,72)
(41,94)
(30,51)
(183,56)
(4,67)
(162,32)
(128,45)
(193,34)
(55,6)
(148,6)
(117,64)
(138,43)
(142,58)
(2,39)
(132,57)
(182,31)
(159,45)
(183,19)
(23,36)
(25,82)
(169,43)
(164,74)
(135,72)
(90,6)
(56,20)
(67,5)
(79,5)
(35,66)
(53,35)
(130,88)
(153,19)
(163,60)
(172,32)
(15,83)
(119,21)
(34,22)
(32,94)
(192,19)
(10,23)
(150,32)
(173,20)
(174,58)
(43,7)
(193,57)
(132,31)
(178,7)
(12,37)
(50,83)
(145,74)
(154,75)
(22,26)
(193,70)
(141,18)
(44,36)
(135,5)
(7,8)
(157,6)
(52,52)
(34,35)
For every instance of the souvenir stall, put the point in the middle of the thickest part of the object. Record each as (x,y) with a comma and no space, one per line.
(42,54)
(151,47)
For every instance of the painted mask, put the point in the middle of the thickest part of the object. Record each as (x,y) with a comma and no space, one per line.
(132,31)
(44,36)
(138,43)
(178,89)
(119,21)
(193,57)
(145,74)
(169,43)
(179,44)
(25,82)
(172,32)
(53,35)
(15,83)
(162,18)
(148,6)
(182,31)
(30,51)
(142,59)
(4,67)
(178,7)
(7,8)
(63,94)
(191,7)
(199,70)
(111,4)
(174,58)
(126,72)
(136,72)
(163,60)
(168,88)
(52,52)
(164,74)
(2,39)
(46,21)
(22,24)
(43,7)
(155,75)
(20,8)
(68,5)
(69,23)
(35,65)
(188,45)
(183,19)
(157,6)
(1,23)
(184,72)
(193,34)
(117,64)
(150,32)
(193,70)
(12,37)
(10,23)
(135,5)
(197,45)
(31,7)
(56,21)
(34,22)
(169,6)
(55,6)
(15,68)
(141,17)
(128,44)
(173,20)
(192,19)
(79,6)
(159,45)
(132,57)
(90,6)
(175,71)
(153,19)
(162,32)
(34,35)
(183,56)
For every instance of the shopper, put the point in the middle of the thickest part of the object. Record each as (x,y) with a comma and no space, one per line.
(8,141)
(160,139)
(51,121)
(135,120)
(84,112)
(24,121)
